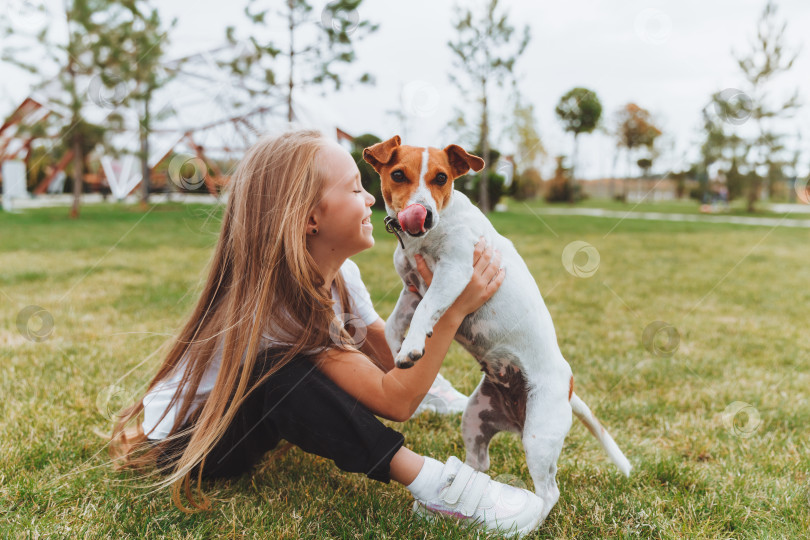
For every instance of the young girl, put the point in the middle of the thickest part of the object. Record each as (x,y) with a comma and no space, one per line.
(263,356)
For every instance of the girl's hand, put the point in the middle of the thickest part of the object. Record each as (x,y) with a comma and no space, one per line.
(486,279)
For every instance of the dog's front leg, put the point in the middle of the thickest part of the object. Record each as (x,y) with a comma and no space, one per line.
(449,280)
(400,319)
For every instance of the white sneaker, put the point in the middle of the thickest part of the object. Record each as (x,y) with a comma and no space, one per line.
(473,496)
(442,398)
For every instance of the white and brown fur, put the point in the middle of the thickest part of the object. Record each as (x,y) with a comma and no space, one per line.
(527,387)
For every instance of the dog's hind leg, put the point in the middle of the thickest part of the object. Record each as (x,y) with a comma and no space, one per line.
(548,419)
(481,420)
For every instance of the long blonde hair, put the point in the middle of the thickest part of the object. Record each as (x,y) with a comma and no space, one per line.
(261,276)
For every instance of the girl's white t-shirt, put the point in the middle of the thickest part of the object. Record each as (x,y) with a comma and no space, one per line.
(157,400)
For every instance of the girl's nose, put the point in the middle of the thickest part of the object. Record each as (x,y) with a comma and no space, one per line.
(370,199)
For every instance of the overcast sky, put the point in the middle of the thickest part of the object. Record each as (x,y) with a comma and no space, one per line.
(667,56)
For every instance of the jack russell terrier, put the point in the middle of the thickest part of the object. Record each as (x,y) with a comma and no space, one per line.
(527,387)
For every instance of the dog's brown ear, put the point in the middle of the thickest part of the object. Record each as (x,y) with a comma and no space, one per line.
(380,154)
(461,161)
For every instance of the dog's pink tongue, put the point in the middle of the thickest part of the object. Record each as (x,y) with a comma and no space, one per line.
(412,218)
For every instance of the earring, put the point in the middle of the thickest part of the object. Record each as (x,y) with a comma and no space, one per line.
(314,231)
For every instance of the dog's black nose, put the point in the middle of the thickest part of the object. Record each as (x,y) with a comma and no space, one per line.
(428,220)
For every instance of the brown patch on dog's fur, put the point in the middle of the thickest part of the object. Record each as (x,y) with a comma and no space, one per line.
(571,388)
(508,393)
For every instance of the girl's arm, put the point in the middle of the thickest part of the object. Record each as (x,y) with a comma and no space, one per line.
(375,346)
(396,394)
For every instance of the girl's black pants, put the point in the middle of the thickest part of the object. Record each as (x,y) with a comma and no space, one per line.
(301,405)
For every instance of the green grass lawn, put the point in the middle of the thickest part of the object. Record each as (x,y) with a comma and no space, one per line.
(717,431)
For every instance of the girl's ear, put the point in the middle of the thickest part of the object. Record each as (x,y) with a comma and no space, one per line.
(312,225)
(380,154)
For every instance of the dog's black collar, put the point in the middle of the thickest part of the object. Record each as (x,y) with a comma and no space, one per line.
(393,226)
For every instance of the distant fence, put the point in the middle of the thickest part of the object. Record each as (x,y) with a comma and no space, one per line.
(651,189)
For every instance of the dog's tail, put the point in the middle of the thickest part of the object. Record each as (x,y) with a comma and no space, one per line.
(584,413)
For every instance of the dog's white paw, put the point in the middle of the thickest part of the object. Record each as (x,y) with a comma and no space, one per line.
(550,493)
(406,360)
(413,348)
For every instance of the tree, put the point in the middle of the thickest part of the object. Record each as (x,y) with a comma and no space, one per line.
(80,56)
(76,57)
(529,149)
(635,130)
(329,46)
(132,51)
(768,58)
(579,111)
(711,149)
(559,186)
(722,146)
(484,51)
(368,176)
(527,184)
(529,146)
(645,164)
(794,170)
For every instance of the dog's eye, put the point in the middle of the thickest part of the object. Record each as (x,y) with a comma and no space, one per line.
(441,179)
(398,176)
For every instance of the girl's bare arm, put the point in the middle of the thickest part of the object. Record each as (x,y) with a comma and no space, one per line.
(397,393)
(375,346)
(394,394)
